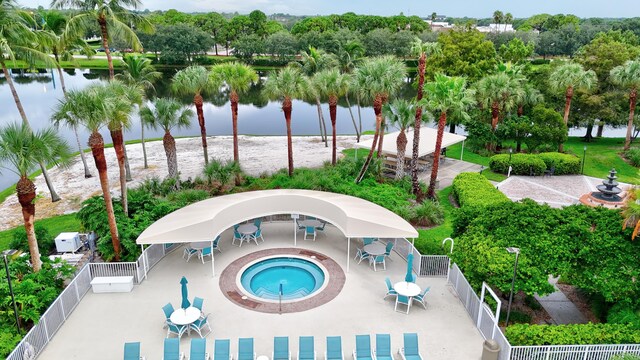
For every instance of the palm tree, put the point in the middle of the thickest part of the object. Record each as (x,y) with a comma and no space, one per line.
(529,96)
(89,106)
(508,18)
(568,78)
(348,57)
(196,80)
(331,84)
(23,149)
(18,38)
(446,96)
(138,71)
(401,114)
(497,18)
(628,76)
(114,19)
(167,114)
(498,92)
(422,50)
(286,85)
(631,212)
(377,78)
(239,78)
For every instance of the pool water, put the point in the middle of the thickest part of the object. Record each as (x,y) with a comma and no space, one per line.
(299,278)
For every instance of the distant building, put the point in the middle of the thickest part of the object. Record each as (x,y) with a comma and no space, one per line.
(439,25)
(496,28)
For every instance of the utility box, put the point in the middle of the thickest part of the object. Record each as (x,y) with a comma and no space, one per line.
(68,242)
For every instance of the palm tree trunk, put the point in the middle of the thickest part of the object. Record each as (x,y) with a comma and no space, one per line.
(431,193)
(401,144)
(26,191)
(61,76)
(116,137)
(415,184)
(333,104)
(87,173)
(633,95)
(353,119)
(234,119)
(359,113)
(383,126)
(286,108)
(169,144)
(102,21)
(520,110)
(377,108)
(23,115)
(97,149)
(197,100)
(323,128)
(144,147)
(127,168)
(567,108)
(495,115)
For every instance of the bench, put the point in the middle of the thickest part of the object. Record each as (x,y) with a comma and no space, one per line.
(108,284)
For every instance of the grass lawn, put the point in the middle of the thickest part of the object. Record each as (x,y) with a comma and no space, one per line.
(54,225)
(453,152)
(429,241)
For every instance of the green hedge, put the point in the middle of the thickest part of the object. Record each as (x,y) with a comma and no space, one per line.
(565,164)
(473,189)
(575,334)
(540,61)
(521,164)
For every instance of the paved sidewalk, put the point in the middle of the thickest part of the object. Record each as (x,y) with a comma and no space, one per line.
(448,170)
(560,308)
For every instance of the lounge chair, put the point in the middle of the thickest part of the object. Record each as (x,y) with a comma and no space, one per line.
(306,348)
(172,349)
(410,350)
(197,303)
(216,245)
(383,347)
(405,300)
(390,290)
(245,349)
(378,259)
(221,351)
(334,348)
(363,348)
(199,324)
(189,252)
(281,348)
(420,298)
(172,328)
(361,255)
(132,351)
(310,231)
(206,252)
(198,350)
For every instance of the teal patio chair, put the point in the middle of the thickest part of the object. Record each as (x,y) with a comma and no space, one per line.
(198,350)
(189,252)
(378,259)
(206,252)
(172,328)
(390,290)
(306,348)
(334,348)
(172,349)
(383,347)
(221,351)
(388,249)
(168,310)
(197,303)
(281,348)
(237,236)
(200,324)
(368,240)
(420,297)
(245,349)
(257,235)
(216,244)
(310,231)
(321,227)
(257,223)
(363,348)
(404,300)
(132,351)
(410,350)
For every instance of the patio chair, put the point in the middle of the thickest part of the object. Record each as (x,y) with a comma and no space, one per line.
(189,252)
(404,300)
(197,303)
(257,223)
(387,252)
(420,297)
(198,350)
(361,255)
(334,348)
(206,252)
(383,347)
(300,226)
(310,231)
(378,259)
(257,235)
(237,236)
(281,348)
(200,324)
(221,351)
(410,350)
(321,227)
(363,348)
(245,349)
(390,290)
(172,328)
(168,310)
(368,240)
(132,351)
(216,245)
(172,349)
(550,172)
(306,348)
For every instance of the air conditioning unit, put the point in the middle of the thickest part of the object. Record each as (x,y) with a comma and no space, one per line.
(68,242)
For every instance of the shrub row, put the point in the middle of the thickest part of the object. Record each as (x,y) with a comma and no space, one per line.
(564,163)
(575,334)
(473,189)
(536,164)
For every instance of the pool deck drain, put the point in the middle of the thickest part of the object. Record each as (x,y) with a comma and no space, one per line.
(229,286)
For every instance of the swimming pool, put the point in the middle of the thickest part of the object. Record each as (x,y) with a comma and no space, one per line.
(298,277)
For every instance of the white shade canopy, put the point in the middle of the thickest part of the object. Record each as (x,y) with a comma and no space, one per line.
(427,142)
(204,220)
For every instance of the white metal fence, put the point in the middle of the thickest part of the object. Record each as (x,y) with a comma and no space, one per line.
(423,265)
(572,352)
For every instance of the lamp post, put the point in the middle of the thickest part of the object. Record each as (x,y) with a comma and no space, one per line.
(512,250)
(584,155)
(510,153)
(13,298)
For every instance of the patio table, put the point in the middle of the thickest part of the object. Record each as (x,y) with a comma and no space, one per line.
(199,245)
(406,289)
(246,230)
(185,317)
(375,248)
(310,222)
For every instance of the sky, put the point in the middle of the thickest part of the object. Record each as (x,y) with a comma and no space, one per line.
(423,8)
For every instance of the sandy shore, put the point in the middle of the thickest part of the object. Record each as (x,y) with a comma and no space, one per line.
(258,154)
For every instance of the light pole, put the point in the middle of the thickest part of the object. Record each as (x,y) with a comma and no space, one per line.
(13,298)
(512,250)
(510,153)
(584,155)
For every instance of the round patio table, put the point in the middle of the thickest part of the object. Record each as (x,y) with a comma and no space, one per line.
(375,248)
(247,229)
(199,245)
(185,316)
(406,288)
(310,222)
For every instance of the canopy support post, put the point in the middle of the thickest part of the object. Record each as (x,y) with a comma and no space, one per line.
(462,151)
(213,268)
(348,252)
(144,261)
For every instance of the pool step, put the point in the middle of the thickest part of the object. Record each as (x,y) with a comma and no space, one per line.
(266,294)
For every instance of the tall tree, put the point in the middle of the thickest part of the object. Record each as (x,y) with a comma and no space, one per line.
(498,17)
(628,77)
(377,78)
(167,114)
(239,78)
(285,85)
(508,19)
(332,85)
(568,78)
(631,213)
(498,93)
(348,56)
(21,150)
(196,80)
(17,37)
(445,96)
(114,19)
(401,114)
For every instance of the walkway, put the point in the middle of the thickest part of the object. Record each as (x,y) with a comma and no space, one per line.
(448,170)
(561,309)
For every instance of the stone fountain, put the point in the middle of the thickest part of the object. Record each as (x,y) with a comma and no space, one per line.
(608,194)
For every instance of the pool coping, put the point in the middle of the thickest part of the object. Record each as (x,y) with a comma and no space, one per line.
(229,287)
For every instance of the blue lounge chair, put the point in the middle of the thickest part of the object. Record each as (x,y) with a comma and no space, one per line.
(281,348)
(198,350)
(172,349)
(221,351)
(306,348)
(405,300)
(363,348)
(390,290)
(172,328)
(197,303)
(310,231)
(383,347)
(200,324)
(245,349)
(132,351)
(410,350)
(420,298)
(334,348)
(216,245)
(378,259)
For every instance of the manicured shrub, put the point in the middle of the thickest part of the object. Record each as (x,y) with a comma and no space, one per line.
(624,314)
(633,155)
(521,164)
(46,242)
(564,164)
(429,213)
(540,61)
(473,189)
(575,334)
